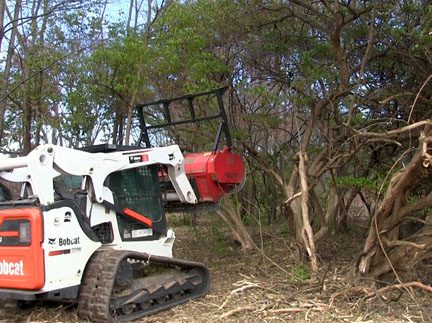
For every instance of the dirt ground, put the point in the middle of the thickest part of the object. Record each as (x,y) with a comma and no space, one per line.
(269,284)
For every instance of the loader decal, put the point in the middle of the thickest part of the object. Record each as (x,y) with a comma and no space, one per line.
(134,159)
(68,242)
(11,268)
(67,217)
(64,251)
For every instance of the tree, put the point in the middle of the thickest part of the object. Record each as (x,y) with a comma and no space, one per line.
(399,236)
(325,66)
(32,85)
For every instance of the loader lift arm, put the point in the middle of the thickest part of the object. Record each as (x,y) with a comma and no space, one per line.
(48,161)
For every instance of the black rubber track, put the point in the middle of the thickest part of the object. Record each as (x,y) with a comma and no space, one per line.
(95,301)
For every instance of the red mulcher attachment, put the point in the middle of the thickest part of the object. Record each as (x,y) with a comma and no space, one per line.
(215,173)
(212,174)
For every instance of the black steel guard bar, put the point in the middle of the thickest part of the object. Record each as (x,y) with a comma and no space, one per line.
(223,124)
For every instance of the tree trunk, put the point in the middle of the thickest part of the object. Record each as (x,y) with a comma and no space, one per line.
(2,15)
(307,232)
(232,218)
(290,190)
(130,115)
(384,256)
(8,65)
(139,69)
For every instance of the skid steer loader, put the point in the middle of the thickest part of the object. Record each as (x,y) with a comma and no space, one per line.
(89,225)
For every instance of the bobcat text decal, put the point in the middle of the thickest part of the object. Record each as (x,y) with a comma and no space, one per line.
(64,241)
(11,268)
(68,242)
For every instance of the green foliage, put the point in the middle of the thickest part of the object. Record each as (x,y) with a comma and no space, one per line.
(218,240)
(284,228)
(415,197)
(246,219)
(215,237)
(352,181)
(196,233)
(300,273)
(366,183)
(184,47)
(282,64)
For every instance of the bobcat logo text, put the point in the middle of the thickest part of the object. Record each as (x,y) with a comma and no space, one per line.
(11,268)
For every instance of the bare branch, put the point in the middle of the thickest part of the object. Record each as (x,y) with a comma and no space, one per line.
(292,198)
(391,133)
(418,94)
(402,243)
